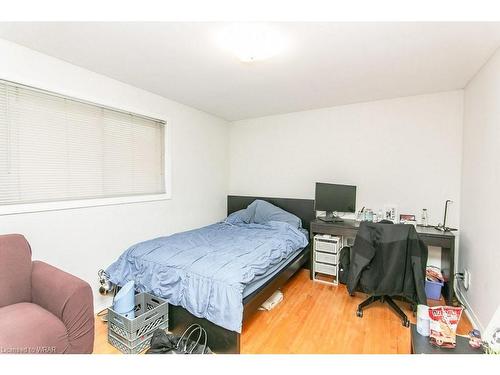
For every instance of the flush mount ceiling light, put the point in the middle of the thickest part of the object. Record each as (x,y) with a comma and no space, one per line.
(251,42)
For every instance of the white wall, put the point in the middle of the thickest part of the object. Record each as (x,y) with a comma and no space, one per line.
(405,151)
(480,191)
(83,240)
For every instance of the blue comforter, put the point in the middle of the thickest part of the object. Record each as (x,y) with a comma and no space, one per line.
(205,270)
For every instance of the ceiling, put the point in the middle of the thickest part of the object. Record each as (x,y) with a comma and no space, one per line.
(323,65)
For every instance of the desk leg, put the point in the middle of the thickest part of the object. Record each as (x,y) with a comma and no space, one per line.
(448,267)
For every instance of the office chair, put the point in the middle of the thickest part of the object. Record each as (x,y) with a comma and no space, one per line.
(387,261)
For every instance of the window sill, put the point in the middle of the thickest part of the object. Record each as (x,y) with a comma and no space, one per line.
(75,204)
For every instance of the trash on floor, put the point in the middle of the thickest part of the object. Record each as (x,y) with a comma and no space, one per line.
(272,301)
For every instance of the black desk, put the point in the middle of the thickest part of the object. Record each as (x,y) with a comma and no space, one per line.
(421,345)
(431,237)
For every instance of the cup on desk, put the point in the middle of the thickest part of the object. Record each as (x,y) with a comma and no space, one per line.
(423,320)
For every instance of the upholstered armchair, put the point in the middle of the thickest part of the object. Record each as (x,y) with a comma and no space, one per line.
(42,309)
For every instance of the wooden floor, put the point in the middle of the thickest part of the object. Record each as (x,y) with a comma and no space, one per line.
(317,318)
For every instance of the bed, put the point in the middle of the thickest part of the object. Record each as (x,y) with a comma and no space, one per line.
(219,275)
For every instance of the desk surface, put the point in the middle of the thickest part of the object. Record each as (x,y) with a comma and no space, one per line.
(353,224)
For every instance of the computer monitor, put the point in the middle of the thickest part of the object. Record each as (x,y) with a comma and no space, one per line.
(334,198)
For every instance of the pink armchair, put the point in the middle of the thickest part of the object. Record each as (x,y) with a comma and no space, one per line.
(42,309)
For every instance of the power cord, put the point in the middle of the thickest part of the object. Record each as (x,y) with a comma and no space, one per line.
(459,276)
(103,315)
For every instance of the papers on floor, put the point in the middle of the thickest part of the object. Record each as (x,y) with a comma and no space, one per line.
(272,301)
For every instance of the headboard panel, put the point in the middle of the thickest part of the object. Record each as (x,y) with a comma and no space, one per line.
(302,208)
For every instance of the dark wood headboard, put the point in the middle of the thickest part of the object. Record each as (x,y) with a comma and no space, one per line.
(302,208)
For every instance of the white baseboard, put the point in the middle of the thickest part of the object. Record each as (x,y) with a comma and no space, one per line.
(103,303)
(476,323)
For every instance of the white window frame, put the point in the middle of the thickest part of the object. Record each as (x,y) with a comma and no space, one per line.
(13,209)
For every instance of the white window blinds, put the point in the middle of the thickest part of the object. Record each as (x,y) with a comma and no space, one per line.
(54,148)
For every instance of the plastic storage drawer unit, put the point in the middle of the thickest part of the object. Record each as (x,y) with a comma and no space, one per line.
(327,269)
(325,257)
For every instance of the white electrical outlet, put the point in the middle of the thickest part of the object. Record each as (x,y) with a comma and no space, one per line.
(466,279)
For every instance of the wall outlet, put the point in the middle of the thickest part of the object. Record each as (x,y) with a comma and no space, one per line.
(466,279)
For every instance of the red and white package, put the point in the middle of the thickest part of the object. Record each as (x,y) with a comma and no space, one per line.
(443,325)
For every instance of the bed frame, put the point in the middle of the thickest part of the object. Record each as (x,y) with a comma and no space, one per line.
(221,340)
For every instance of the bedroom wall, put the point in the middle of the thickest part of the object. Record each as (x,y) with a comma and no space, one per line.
(405,151)
(480,196)
(83,240)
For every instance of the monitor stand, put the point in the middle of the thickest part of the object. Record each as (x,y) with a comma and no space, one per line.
(330,218)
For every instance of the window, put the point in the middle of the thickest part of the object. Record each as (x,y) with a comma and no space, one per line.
(55,148)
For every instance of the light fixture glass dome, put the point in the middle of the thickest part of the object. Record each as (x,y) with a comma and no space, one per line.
(252,41)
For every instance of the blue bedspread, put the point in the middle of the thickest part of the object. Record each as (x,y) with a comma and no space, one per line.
(205,270)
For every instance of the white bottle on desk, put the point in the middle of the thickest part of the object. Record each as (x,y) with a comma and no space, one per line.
(424,217)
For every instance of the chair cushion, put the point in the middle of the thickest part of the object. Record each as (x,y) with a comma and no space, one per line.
(28,328)
(15,269)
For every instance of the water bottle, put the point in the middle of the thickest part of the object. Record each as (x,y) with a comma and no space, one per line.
(369,215)
(424,217)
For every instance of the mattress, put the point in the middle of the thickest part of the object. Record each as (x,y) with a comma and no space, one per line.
(262,280)
(206,270)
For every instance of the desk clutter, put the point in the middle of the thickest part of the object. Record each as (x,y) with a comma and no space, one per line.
(438,325)
(390,213)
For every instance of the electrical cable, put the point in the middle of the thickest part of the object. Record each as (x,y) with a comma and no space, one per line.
(103,314)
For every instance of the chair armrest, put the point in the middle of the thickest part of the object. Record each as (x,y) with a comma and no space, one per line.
(68,298)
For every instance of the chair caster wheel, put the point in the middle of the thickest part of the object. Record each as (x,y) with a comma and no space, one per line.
(359,313)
